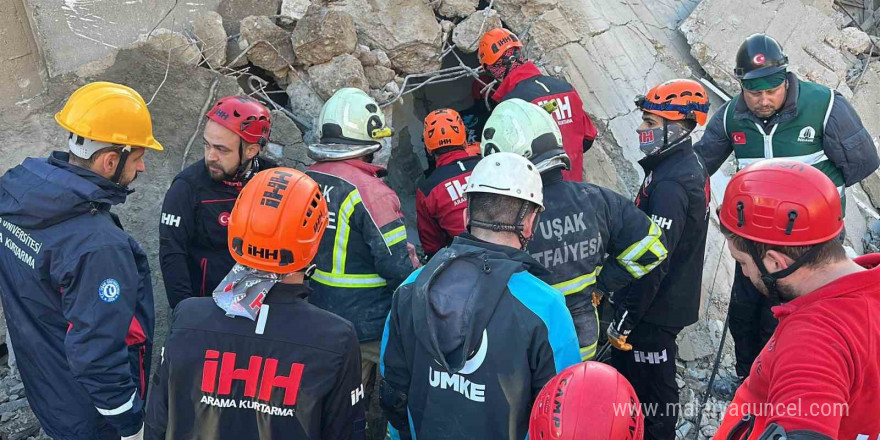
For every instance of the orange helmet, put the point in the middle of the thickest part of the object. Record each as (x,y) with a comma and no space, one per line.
(494,43)
(444,128)
(278,221)
(676,100)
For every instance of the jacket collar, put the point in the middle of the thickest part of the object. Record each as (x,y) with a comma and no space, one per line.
(516,76)
(287,293)
(106,191)
(550,177)
(452,156)
(788,111)
(649,163)
(840,287)
(532,265)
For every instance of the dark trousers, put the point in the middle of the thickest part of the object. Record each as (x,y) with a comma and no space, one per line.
(650,368)
(751,321)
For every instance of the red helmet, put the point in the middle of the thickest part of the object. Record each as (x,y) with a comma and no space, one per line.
(587,401)
(782,202)
(245,116)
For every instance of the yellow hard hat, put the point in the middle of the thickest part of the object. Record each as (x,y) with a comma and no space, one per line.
(108,112)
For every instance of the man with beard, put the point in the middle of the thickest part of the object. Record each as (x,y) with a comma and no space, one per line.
(819,371)
(77,291)
(780,115)
(195,214)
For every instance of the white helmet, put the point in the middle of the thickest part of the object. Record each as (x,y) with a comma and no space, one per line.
(523,128)
(507,174)
(351,125)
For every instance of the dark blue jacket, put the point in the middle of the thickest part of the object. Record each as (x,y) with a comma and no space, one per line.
(470,341)
(77,297)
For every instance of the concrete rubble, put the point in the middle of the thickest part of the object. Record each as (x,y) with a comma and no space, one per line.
(406,30)
(466,34)
(179,48)
(457,8)
(322,34)
(294,9)
(211,38)
(342,71)
(270,45)
(610,51)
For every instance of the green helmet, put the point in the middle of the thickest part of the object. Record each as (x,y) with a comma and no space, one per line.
(523,128)
(351,124)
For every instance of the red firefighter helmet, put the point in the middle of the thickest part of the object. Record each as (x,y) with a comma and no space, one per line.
(782,202)
(587,401)
(245,116)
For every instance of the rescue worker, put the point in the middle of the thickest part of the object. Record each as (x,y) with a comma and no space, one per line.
(257,360)
(195,213)
(366,255)
(440,201)
(581,224)
(473,337)
(651,311)
(76,288)
(587,401)
(779,115)
(820,370)
(500,54)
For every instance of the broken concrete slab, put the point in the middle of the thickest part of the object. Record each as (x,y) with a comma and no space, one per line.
(323,34)
(867,104)
(304,100)
(178,46)
(73,33)
(855,41)
(457,8)
(378,76)
(365,56)
(715,30)
(294,9)
(519,14)
(286,142)
(466,35)
(342,71)
(550,31)
(211,38)
(234,11)
(270,46)
(406,30)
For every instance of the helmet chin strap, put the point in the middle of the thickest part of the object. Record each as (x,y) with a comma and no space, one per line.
(507,227)
(123,158)
(242,172)
(770,279)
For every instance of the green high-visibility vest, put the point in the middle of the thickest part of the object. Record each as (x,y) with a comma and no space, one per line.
(798,139)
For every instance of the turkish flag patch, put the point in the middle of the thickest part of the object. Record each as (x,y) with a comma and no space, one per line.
(739,138)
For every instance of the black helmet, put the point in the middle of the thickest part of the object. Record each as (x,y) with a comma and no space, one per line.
(759,56)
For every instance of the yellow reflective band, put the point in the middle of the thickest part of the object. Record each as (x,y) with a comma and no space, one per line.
(576,285)
(349,280)
(343,229)
(587,353)
(395,236)
(628,258)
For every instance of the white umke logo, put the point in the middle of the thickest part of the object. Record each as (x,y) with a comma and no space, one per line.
(808,134)
(457,382)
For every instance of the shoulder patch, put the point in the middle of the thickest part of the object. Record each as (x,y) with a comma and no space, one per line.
(109,290)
